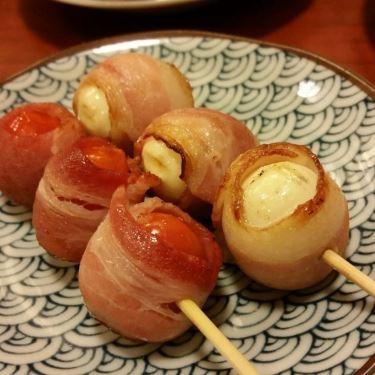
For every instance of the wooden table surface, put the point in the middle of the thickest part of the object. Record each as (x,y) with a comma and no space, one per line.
(342,31)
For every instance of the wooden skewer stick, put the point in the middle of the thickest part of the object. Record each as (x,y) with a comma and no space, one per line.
(216,337)
(352,273)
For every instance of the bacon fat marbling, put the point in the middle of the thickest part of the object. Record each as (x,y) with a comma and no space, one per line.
(282,252)
(130,280)
(74,193)
(121,95)
(206,142)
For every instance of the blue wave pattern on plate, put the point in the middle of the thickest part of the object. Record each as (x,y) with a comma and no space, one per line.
(326,329)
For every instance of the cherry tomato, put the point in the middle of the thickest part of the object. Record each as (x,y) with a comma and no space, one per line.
(104,155)
(29,121)
(174,231)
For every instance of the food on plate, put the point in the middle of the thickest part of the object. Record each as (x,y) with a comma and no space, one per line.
(190,149)
(74,193)
(121,95)
(141,260)
(29,135)
(279,211)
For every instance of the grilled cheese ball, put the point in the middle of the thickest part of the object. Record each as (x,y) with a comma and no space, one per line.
(278,211)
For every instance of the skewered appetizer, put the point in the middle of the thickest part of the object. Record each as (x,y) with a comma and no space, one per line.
(190,150)
(120,96)
(74,193)
(279,211)
(142,259)
(29,135)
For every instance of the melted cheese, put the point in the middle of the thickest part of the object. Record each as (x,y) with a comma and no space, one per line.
(162,161)
(93,111)
(274,191)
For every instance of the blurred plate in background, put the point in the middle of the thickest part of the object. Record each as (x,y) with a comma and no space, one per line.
(130,4)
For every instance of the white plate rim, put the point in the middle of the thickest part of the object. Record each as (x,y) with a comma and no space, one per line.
(130,4)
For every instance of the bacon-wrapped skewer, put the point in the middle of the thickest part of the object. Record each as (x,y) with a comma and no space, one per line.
(121,95)
(190,150)
(142,259)
(29,135)
(279,212)
(74,194)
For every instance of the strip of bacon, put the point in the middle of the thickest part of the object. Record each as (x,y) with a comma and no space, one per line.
(279,211)
(75,192)
(190,150)
(134,268)
(121,95)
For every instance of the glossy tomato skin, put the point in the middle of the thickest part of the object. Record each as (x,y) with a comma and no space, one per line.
(29,135)
(104,155)
(30,121)
(173,231)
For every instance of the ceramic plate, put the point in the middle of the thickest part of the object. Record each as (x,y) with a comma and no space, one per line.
(282,94)
(130,4)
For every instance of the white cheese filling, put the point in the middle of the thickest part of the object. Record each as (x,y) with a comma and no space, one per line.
(93,111)
(274,191)
(162,161)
